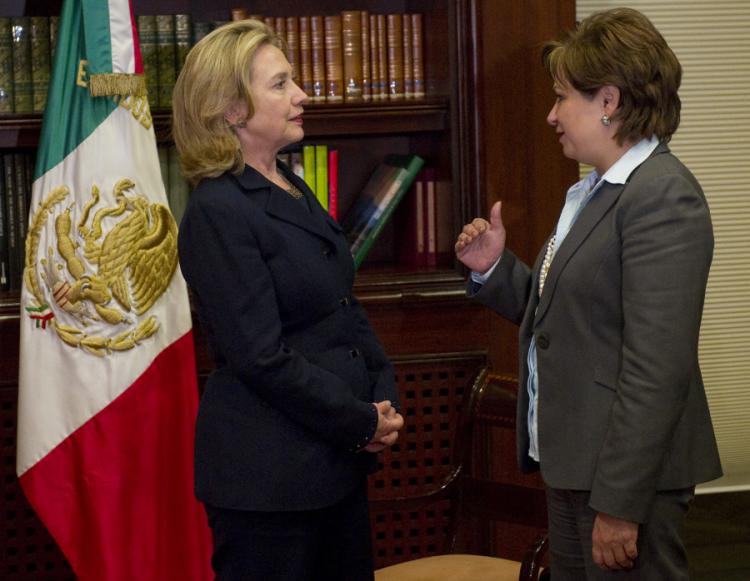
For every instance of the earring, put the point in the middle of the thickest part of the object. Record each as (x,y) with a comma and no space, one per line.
(606,120)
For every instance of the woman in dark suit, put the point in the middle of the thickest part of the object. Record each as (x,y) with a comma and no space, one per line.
(611,403)
(302,395)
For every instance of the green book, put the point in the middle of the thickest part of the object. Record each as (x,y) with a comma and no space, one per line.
(321,175)
(308,161)
(183,35)
(378,200)
(147,41)
(166,54)
(40,63)
(200,29)
(21,41)
(6,67)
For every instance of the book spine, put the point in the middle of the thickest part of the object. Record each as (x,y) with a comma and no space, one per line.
(6,67)
(308,160)
(375,79)
(14,276)
(305,56)
(334,89)
(280,27)
(292,47)
(317,36)
(395,57)
(431,222)
(40,65)
(417,49)
(200,29)
(270,22)
(238,13)
(365,50)
(408,55)
(333,183)
(166,57)
(4,247)
(21,40)
(183,35)
(351,38)
(382,56)
(321,175)
(147,41)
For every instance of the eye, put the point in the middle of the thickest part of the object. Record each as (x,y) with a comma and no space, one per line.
(280,84)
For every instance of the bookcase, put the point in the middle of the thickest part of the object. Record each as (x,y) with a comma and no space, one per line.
(481,126)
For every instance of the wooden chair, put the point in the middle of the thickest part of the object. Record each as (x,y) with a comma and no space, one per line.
(479,503)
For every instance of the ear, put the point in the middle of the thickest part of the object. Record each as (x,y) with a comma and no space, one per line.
(610,99)
(236,115)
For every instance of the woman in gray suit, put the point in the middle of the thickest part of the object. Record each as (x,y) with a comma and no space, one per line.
(303,395)
(611,403)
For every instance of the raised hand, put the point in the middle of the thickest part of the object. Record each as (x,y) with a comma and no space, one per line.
(481,243)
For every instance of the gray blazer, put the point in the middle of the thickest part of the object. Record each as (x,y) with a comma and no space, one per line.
(622,408)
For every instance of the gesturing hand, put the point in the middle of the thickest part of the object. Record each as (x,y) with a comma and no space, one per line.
(614,542)
(481,243)
(389,423)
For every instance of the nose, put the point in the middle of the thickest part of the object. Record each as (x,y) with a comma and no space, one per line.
(552,115)
(299,96)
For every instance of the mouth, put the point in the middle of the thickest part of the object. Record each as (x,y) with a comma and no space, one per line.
(296,120)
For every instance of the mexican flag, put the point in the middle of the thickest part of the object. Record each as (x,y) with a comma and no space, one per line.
(107,386)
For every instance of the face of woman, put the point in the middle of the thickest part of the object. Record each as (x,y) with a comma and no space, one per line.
(577,118)
(277,99)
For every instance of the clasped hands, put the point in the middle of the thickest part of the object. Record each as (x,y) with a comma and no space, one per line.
(389,423)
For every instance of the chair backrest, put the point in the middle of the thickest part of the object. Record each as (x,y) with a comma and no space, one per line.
(482,505)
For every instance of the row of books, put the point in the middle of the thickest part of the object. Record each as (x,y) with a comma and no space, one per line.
(27,45)
(397,178)
(16,174)
(353,56)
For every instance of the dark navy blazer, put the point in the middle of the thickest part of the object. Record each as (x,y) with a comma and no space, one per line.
(289,406)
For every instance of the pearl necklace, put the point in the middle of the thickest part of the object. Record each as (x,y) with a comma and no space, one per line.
(548,256)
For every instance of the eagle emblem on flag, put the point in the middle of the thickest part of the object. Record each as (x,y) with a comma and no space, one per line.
(101,275)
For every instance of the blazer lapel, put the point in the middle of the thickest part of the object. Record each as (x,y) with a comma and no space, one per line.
(590,216)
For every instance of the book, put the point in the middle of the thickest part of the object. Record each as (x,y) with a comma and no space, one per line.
(379,198)
(408,56)
(410,221)
(6,67)
(54,26)
(147,41)
(417,42)
(374,59)
(365,48)
(11,221)
(321,175)
(21,42)
(382,46)
(183,36)
(200,29)
(292,47)
(4,245)
(395,46)
(333,183)
(317,36)
(334,87)
(308,161)
(431,216)
(40,63)
(351,39)
(305,56)
(166,57)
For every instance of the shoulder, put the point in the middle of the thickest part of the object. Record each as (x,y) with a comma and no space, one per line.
(663,167)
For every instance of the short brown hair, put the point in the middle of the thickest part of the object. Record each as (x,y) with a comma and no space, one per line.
(621,47)
(216,75)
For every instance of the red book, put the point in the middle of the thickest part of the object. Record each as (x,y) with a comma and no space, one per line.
(431,216)
(410,225)
(333,183)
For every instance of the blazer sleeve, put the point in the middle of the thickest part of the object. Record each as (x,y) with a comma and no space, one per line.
(667,245)
(222,262)
(507,290)
(379,367)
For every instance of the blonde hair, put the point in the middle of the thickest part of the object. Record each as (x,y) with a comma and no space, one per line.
(216,76)
(621,47)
